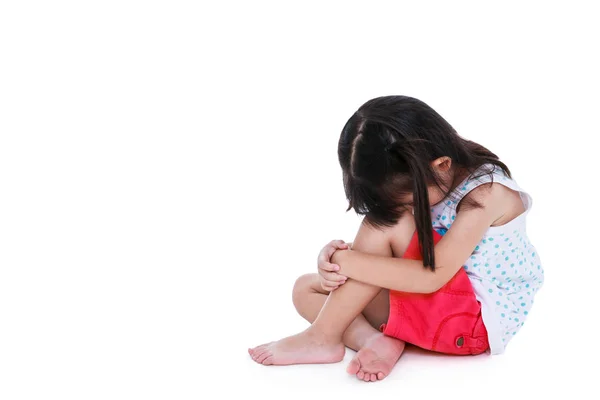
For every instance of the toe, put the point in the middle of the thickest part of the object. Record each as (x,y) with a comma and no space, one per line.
(353,367)
(380,375)
(263,356)
(268,361)
(366,377)
(252,353)
(255,350)
(373,377)
(260,351)
(360,375)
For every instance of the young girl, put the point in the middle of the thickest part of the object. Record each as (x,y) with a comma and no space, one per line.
(442,259)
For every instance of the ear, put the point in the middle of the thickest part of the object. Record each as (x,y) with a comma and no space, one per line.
(442,164)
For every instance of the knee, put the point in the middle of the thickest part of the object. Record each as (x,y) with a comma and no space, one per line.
(302,288)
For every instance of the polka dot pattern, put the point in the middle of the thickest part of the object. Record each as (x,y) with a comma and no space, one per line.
(505,267)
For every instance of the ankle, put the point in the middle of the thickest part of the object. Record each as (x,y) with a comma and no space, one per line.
(358,338)
(322,335)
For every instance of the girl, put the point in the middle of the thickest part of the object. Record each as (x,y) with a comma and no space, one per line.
(418,184)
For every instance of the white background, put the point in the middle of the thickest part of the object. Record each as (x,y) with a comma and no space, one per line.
(167,170)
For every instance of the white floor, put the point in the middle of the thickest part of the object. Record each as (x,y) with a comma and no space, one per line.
(544,359)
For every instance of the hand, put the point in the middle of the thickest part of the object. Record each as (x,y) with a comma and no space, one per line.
(329,278)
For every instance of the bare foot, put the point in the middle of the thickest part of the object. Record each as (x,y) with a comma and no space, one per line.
(376,359)
(306,347)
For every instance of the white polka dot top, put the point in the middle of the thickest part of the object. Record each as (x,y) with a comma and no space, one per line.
(505,268)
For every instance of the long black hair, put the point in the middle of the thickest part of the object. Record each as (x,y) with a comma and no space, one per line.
(385,151)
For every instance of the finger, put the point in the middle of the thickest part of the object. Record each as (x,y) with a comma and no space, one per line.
(328,282)
(333,277)
(333,283)
(324,255)
(327,266)
(323,258)
(339,244)
(329,288)
(330,251)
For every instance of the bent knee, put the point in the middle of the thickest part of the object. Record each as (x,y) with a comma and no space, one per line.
(303,286)
(401,234)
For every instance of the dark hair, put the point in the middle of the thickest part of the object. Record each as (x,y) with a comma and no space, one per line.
(385,150)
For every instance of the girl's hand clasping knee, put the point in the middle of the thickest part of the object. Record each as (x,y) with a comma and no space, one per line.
(330,279)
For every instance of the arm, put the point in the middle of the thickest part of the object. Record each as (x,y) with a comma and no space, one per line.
(450,253)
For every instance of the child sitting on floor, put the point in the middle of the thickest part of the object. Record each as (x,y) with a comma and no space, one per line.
(442,259)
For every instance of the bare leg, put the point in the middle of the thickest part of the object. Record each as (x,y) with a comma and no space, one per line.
(309,299)
(340,317)
(322,341)
(377,354)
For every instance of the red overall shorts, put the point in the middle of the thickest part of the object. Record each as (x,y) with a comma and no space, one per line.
(447,321)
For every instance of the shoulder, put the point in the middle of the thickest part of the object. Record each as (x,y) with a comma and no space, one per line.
(490,193)
(493,198)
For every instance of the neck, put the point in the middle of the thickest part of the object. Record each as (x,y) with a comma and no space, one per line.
(459,175)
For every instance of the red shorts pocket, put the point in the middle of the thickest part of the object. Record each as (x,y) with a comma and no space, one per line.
(461,334)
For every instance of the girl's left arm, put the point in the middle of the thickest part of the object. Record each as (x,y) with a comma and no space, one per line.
(450,253)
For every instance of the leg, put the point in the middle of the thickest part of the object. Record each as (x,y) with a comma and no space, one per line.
(377,354)
(309,298)
(322,342)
